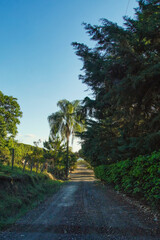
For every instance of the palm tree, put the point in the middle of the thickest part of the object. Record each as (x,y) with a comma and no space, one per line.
(66,122)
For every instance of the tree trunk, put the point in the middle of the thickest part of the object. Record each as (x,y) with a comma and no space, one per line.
(37,166)
(31,165)
(43,167)
(25,162)
(12,158)
(67,162)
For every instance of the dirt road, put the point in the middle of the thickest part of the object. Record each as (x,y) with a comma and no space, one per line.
(85,209)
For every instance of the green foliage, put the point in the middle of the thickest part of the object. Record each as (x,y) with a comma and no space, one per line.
(22,191)
(123,72)
(9,119)
(9,115)
(139,177)
(66,121)
(85,163)
(64,124)
(26,156)
(56,154)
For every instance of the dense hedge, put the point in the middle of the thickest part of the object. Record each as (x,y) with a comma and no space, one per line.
(140,177)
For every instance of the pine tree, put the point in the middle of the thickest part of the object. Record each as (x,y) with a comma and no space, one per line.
(123,72)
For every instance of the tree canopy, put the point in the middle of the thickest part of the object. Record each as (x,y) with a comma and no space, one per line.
(9,115)
(123,72)
(65,123)
(9,119)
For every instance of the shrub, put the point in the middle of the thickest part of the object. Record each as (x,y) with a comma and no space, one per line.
(139,177)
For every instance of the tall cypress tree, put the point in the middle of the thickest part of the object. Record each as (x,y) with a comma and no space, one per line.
(123,72)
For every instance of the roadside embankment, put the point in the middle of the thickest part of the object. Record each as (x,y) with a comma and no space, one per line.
(20,192)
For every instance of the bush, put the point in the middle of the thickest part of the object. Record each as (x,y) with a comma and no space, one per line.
(140,177)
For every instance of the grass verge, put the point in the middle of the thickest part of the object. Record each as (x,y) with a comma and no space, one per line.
(21,192)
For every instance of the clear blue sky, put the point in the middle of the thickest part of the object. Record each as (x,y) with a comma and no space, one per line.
(38,65)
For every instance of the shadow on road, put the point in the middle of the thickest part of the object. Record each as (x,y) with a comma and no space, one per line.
(84,210)
(82,174)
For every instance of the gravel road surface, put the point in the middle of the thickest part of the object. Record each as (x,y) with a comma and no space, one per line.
(84,209)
